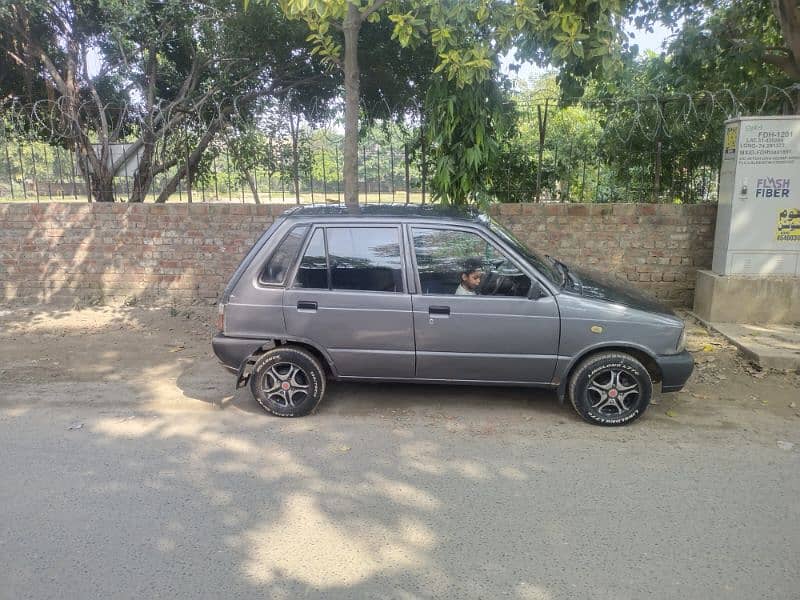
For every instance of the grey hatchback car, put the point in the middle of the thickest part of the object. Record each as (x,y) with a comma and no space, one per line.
(431,295)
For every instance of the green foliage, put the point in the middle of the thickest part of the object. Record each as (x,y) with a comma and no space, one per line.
(463,103)
(469,35)
(464,126)
(171,75)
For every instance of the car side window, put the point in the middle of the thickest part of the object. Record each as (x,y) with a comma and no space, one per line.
(365,258)
(313,270)
(283,257)
(462,263)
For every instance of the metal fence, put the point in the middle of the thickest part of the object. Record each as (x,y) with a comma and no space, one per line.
(654,149)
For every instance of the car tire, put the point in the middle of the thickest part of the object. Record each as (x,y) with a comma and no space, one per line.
(611,388)
(288,381)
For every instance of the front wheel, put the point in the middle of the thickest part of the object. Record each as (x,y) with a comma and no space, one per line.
(288,381)
(611,388)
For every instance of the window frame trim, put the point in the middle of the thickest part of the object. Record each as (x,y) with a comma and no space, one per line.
(398,227)
(259,282)
(527,270)
(299,259)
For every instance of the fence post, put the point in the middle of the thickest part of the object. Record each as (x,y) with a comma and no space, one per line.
(408,179)
(324,178)
(49,170)
(583,178)
(391,164)
(74,174)
(597,178)
(378,162)
(35,176)
(228,170)
(60,171)
(569,174)
(22,172)
(364,154)
(8,162)
(657,178)
(542,122)
(270,165)
(424,165)
(283,172)
(338,176)
(188,175)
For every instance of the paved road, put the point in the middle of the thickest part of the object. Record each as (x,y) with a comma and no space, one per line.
(117,499)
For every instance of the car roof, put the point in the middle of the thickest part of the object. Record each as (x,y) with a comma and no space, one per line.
(403,211)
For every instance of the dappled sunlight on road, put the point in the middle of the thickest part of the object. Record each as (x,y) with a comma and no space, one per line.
(305,544)
(139,447)
(329,513)
(527,591)
(401,493)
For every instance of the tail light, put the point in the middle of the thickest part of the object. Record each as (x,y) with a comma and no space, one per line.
(221,318)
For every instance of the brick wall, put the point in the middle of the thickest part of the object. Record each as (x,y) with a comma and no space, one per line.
(657,247)
(68,252)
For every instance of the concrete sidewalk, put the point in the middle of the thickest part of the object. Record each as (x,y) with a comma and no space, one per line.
(771,346)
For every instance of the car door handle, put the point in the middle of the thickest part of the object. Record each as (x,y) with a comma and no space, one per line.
(439,310)
(306,305)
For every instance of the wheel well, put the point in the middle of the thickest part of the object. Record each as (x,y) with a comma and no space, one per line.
(310,349)
(649,363)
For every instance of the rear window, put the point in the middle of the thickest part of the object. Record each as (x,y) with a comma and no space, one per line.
(352,258)
(365,258)
(278,265)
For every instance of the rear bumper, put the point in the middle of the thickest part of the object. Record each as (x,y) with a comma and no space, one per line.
(675,370)
(232,352)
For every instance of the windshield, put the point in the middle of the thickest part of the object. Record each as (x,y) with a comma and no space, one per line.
(538,261)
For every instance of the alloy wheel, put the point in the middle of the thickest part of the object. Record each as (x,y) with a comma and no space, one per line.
(613,392)
(286,384)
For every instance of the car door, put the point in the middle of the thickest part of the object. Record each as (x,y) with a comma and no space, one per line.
(349,297)
(495,333)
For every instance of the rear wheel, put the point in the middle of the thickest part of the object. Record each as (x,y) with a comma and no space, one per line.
(611,388)
(288,381)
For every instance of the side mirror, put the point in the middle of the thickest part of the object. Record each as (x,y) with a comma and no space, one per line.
(536,291)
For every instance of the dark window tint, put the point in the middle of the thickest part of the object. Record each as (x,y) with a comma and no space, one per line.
(282,258)
(313,271)
(365,258)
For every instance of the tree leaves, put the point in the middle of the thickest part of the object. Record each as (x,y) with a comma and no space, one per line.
(467,37)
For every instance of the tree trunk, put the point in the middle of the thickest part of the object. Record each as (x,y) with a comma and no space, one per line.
(252,183)
(144,172)
(788,16)
(351,27)
(102,188)
(187,168)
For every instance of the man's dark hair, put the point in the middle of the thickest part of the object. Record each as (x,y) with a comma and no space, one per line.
(471,265)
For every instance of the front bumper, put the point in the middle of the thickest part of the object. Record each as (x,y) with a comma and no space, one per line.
(675,370)
(232,352)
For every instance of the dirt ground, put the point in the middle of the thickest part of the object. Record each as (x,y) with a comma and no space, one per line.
(120,358)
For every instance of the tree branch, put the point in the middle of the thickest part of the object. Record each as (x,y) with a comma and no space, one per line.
(16,58)
(375,7)
(784,63)
(52,70)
